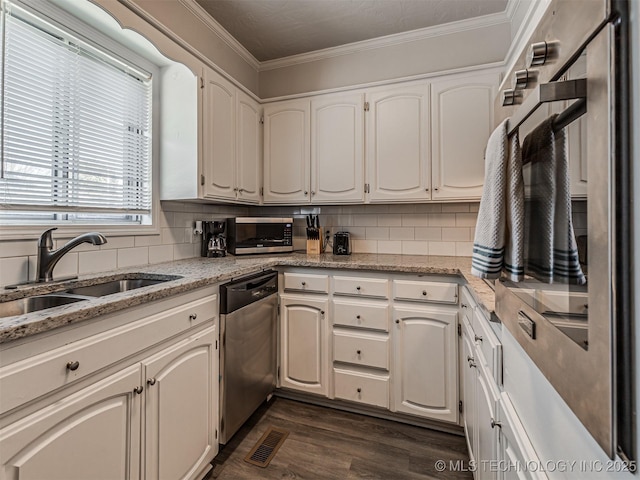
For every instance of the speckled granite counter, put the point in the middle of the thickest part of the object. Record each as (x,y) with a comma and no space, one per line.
(199,272)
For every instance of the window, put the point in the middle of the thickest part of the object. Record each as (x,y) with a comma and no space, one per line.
(75,125)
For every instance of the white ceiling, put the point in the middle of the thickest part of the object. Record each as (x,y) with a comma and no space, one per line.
(272,29)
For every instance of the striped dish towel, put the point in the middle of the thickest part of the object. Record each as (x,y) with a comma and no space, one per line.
(498,242)
(551,250)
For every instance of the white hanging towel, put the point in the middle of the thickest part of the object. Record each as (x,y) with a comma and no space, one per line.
(498,242)
(551,251)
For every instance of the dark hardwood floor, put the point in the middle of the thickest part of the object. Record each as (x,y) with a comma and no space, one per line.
(324,443)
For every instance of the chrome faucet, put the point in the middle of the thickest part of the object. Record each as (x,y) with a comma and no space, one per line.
(48,258)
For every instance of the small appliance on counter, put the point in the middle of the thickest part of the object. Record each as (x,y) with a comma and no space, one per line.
(249,235)
(342,243)
(214,243)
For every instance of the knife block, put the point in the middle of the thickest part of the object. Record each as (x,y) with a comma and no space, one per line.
(314,247)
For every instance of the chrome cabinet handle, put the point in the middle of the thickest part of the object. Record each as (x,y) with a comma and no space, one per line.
(495,424)
(478,338)
(138,390)
(151,381)
(73,366)
(193,316)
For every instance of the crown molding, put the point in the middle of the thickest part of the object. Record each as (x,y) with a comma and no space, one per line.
(391,40)
(202,15)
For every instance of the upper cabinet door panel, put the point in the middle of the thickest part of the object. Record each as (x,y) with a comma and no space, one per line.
(249,149)
(461,121)
(398,144)
(218,136)
(286,152)
(337,149)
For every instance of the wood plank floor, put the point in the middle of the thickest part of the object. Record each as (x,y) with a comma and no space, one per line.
(324,443)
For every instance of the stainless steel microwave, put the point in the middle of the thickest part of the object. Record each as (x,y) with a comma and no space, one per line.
(249,235)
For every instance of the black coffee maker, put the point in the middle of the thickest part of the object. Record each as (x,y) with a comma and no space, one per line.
(214,244)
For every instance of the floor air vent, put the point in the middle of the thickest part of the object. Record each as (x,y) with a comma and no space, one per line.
(263,452)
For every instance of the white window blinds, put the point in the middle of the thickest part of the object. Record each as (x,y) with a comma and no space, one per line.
(76,125)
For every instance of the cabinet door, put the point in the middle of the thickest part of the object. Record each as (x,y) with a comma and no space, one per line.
(248,149)
(425,369)
(469,375)
(337,149)
(93,433)
(304,344)
(218,137)
(398,144)
(487,436)
(287,151)
(461,122)
(181,408)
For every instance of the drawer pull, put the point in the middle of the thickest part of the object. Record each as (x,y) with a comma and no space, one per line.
(359,390)
(138,390)
(464,305)
(397,321)
(73,366)
(357,317)
(478,338)
(151,381)
(358,288)
(471,361)
(193,316)
(495,424)
(358,352)
(424,293)
(321,312)
(304,283)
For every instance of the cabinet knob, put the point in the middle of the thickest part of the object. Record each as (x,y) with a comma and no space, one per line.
(306,193)
(426,189)
(240,190)
(138,390)
(235,189)
(471,361)
(358,317)
(397,321)
(424,293)
(464,305)
(304,283)
(312,193)
(478,338)
(359,390)
(495,424)
(435,188)
(321,312)
(193,316)
(358,288)
(73,366)
(151,381)
(358,352)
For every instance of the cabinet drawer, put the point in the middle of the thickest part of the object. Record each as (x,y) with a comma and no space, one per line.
(425,291)
(28,379)
(361,315)
(361,287)
(563,302)
(362,387)
(489,344)
(365,350)
(306,282)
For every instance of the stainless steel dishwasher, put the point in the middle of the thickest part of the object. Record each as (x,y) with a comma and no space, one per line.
(249,310)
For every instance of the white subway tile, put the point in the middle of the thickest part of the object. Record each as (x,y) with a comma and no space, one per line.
(415,248)
(67,266)
(414,220)
(389,220)
(172,236)
(345,220)
(442,248)
(184,220)
(365,246)
(466,219)
(14,270)
(402,208)
(456,234)
(11,248)
(182,251)
(118,242)
(357,232)
(97,261)
(365,220)
(442,219)
(402,233)
(428,233)
(464,249)
(377,233)
(455,207)
(428,207)
(166,219)
(147,240)
(129,257)
(160,253)
(390,246)
(474,207)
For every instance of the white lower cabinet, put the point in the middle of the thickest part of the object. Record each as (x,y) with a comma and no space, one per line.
(93,433)
(304,346)
(361,387)
(134,396)
(425,368)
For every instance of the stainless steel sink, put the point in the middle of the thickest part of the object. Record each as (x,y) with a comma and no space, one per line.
(116,286)
(34,304)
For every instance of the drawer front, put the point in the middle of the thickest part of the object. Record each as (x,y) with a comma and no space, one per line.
(439,292)
(361,315)
(361,287)
(467,302)
(362,388)
(563,302)
(365,350)
(489,344)
(26,380)
(303,282)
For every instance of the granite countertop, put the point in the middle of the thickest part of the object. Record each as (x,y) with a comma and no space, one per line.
(199,272)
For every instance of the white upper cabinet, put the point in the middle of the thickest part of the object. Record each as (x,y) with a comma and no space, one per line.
(461,122)
(248,148)
(287,151)
(337,148)
(398,166)
(218,136)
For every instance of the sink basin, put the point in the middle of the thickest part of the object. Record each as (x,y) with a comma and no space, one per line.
(34,304)
(116,286)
